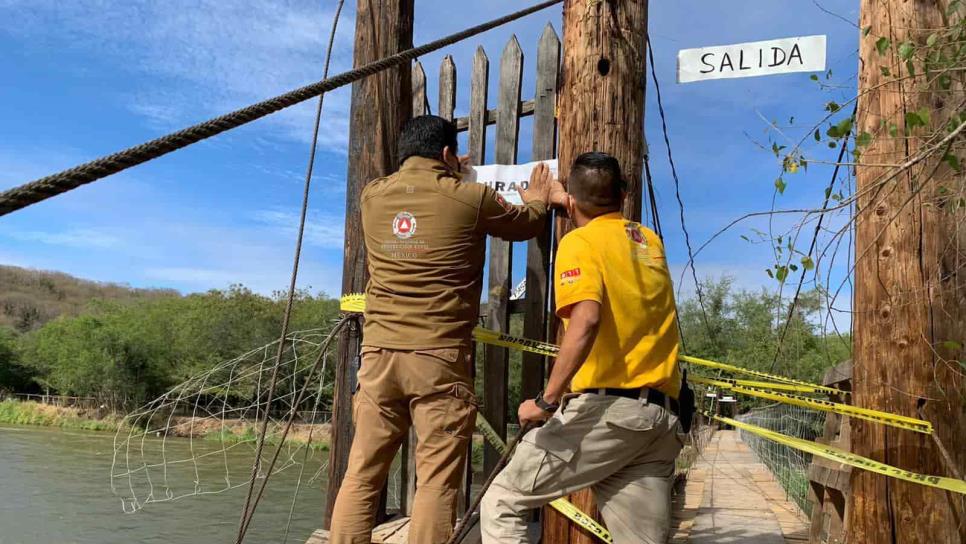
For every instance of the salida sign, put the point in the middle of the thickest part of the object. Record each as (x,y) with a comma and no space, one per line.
(787,55)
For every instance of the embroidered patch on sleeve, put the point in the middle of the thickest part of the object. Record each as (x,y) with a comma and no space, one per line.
(569,276)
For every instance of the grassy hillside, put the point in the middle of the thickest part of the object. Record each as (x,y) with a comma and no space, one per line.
(30,298)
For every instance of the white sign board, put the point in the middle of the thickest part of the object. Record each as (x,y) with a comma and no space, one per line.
(505,178)
(787,55)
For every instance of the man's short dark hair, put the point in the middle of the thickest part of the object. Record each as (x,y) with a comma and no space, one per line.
(596,183)
(426,136)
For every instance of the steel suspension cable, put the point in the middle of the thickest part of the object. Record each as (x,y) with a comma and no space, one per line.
(248,510)
(41,189)
(811,247)
(677,192)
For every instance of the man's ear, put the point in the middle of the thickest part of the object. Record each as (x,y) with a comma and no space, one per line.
(571,206)
(449,156)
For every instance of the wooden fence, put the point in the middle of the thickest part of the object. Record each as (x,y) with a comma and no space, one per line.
(505,120)
(829,481)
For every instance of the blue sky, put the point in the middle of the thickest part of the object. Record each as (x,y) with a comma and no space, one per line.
(88,77)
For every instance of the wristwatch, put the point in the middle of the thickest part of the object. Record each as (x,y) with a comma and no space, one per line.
(544,405)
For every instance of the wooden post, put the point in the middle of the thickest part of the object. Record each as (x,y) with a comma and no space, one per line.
(909,282)
(380,105)
(496,359)
(538,249)
(601,109)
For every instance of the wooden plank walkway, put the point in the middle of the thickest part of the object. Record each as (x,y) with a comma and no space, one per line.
(730,497)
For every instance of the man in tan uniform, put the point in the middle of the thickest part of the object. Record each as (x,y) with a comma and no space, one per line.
(425,233)
(619,431)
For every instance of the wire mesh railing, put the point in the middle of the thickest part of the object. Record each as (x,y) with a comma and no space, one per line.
(788,465)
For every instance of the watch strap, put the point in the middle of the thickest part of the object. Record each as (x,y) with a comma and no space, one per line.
(544,405)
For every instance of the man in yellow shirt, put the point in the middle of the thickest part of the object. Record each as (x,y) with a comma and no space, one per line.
(618,432)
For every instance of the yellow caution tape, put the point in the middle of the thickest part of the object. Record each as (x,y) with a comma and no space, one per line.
(773,385)
(773,377)
(894,420)
(561,505)
(847,458)
(356,303)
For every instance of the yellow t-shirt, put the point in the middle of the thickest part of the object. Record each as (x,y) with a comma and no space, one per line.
(621,265)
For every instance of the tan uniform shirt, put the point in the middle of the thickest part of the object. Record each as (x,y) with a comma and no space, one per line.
(425,235)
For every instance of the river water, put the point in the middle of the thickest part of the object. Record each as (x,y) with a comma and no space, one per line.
(55,487)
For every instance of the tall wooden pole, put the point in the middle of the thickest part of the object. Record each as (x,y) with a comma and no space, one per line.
(601,109)
(910,290)
(380,105)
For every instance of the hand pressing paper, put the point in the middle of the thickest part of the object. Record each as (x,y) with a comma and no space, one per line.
(505,178)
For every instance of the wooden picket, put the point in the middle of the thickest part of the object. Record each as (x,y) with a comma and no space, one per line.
(510,108)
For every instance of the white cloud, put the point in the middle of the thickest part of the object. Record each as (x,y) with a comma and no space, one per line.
(204,59)
(77,238)
(322,230)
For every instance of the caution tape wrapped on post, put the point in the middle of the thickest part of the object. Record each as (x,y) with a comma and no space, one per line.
(561,505)
(356,303)
(845,457)
(894,420)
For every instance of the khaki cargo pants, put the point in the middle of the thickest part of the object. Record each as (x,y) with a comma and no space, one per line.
(432,390)
(623,448)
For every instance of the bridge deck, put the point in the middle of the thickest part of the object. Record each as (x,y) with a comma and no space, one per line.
(731,497)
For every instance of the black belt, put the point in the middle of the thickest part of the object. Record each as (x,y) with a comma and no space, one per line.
(653,395)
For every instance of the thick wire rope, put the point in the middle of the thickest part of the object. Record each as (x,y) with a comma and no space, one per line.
(41,189)
(677,193)
(811,248)
(290,300)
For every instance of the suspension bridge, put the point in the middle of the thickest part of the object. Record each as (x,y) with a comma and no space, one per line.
(753,479)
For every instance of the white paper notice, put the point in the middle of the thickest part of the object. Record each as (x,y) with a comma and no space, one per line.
(505,178)
(803,54)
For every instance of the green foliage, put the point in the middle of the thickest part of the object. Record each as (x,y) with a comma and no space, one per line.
(882,45)
(31,298)
(13,375)
(743,329)
(33,413)
(917,118)
(841,129)
(130,351)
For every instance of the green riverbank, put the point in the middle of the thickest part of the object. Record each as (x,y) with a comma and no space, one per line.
(17,412)
(34,413)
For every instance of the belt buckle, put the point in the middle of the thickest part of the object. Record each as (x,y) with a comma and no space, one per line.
(643,396)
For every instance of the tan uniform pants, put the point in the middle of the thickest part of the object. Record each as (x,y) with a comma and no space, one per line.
(623,448)
(431,390)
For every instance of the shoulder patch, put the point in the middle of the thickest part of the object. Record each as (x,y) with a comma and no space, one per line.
(570,276)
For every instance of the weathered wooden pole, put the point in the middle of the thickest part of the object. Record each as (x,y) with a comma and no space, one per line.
(601,109)
(910,287)
(380,105)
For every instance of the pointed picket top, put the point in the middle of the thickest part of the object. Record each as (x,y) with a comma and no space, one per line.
(447,87)
(549,37)
(508,107)
(477,121)
(512,50)
(545,95)
(419,89)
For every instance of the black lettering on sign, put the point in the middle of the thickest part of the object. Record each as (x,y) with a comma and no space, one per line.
(775,51)
(499,186)
(704,61)
(512,186)
(525,184)
(761,57)
(796,53)
(726,59)
(741,61)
